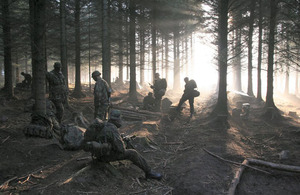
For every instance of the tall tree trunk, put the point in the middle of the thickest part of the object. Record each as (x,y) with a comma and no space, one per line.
(167,56)
(269,98)
(259,96)
(221,107)
(176,77)
(250,35)
(287,72)
(8,81)
(38,59)
(142,53)
(63,41)
(186,56)
(297,81)
(77,91)
(106,42)
(120,43)
(132,88)
(153,38)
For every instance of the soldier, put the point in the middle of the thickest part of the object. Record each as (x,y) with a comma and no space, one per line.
(188,94)
(101,96)
(27,80)
(159,88)
(58,90)
(105,143)
(148,102)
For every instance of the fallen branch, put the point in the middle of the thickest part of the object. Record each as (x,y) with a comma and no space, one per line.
(5,185)
(172,143)
(237,178)
(275,166)
(74,175)
(5,139)
(233,162)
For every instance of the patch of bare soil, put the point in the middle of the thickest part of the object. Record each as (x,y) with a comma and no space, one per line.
(31,165)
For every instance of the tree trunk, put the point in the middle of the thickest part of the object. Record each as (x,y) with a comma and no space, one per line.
(142,54)
(259,96)
(250,35)
(297,81)
(105,42)
(176,76)
(269,98)
(77,91)
(8,78)
(63,41)
(287,72)
(120,44)
(221,107)
(38,59)
(167,56)
(153,38)
(132,88)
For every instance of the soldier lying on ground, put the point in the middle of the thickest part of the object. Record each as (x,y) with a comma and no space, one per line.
(105,143)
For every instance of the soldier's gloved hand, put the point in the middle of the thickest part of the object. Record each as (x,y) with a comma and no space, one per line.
(88,146)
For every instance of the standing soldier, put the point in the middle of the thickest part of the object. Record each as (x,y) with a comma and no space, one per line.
(159,89)
(101,96)
(188,94)
(105,143)
(58,90)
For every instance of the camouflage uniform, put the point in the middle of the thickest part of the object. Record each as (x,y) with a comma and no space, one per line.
(117,151)
(101,98)
(149,102)
(58,92)
(159,91)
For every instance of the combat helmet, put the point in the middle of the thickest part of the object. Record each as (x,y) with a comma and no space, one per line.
(96,73)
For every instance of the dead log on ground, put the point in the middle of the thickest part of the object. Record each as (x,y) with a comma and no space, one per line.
(237,178)
(236,163)
(275,165)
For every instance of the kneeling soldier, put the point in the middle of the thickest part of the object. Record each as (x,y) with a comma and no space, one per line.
(105,143)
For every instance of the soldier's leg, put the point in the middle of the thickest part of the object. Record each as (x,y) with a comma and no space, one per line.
(182,100)
(59,110)
(191,102)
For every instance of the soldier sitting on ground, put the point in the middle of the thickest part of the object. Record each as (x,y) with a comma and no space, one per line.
(26,83)
(148,102)
(105,143)
(159,89)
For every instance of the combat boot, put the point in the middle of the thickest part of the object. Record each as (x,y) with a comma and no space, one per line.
(153,175)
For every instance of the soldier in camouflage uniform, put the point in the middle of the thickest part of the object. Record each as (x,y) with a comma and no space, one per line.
(58,90)
(101,96)
(105,143)
(159,90)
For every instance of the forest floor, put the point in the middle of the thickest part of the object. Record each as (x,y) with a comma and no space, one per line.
(31,165)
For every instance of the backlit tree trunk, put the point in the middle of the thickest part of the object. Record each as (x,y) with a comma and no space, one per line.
(8,78)
(132,88)
(105,42)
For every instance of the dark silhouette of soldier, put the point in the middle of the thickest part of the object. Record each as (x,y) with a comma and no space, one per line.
(27,80)
(188,94)
(58,90)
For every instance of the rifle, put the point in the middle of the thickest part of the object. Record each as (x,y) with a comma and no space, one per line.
(151,86)
(128,141)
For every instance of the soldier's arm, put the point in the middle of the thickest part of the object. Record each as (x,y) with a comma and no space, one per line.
(117,142)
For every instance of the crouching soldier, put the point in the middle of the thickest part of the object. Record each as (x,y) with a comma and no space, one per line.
(105,143)
(149,102)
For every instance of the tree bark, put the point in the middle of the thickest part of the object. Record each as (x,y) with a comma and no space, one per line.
(176,83)
(8,78)
(132,88)
(77,91)
(250,35)
(221,107)
(269,97)
(106,42)
(259,96)
(153,38)
(63,41)
(120,44)
(38,59)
